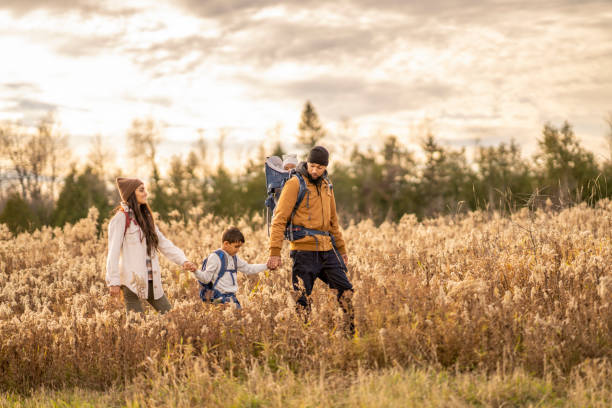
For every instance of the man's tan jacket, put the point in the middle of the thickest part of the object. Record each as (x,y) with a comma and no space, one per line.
(316,211)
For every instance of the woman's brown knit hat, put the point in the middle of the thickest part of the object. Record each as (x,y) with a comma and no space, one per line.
(127,186)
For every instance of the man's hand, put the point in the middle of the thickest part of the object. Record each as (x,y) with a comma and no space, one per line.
(115,291)
(345,259)
(189,266)
(274,262)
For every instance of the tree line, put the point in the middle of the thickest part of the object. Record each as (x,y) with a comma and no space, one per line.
(382,184)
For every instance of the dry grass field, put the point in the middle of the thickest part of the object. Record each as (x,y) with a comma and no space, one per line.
(472,310)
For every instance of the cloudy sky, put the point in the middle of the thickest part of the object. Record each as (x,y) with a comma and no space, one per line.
(469,69)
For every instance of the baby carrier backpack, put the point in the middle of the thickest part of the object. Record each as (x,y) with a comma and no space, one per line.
(276,178)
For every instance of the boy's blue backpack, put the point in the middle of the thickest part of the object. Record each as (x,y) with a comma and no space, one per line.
(208,291)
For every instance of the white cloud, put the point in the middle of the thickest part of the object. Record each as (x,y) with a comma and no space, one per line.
(490,70)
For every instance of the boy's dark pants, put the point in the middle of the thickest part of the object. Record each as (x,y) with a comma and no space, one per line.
(327,266)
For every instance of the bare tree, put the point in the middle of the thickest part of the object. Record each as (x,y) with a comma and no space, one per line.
(223,133)
(55,148)
(201,153)
(12,150)
(274,134)
(143,140)
(36,158)
(346,135)
(100,157)
(200,145)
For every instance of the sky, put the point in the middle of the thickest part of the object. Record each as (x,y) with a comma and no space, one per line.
(469,71)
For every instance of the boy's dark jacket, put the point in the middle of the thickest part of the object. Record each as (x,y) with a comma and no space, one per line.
(316,211)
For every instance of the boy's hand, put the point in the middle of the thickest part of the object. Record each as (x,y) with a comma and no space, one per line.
(345,259)
(189,266)
(274,262)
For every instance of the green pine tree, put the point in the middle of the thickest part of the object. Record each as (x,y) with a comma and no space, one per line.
(310,128)
(567,170)
(79,193)
(18,215)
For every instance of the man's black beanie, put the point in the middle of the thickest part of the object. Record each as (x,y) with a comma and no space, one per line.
(318,155)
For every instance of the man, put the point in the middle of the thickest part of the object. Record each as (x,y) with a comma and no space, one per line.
(317,247)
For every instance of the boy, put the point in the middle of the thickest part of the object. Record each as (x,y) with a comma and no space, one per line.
(218,273)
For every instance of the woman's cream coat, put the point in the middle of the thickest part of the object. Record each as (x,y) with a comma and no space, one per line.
(126,263)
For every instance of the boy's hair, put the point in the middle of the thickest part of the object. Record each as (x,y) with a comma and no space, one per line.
(232,235)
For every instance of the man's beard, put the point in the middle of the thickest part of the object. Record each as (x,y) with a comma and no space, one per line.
(314,180)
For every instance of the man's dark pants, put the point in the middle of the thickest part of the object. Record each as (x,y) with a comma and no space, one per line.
(327,266)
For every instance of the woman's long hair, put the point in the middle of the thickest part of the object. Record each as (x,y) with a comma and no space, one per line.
(143,215)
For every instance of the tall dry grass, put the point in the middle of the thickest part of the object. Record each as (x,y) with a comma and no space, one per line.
(478,293)
(394,387)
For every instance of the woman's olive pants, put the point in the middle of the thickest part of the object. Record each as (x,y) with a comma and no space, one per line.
(132,302)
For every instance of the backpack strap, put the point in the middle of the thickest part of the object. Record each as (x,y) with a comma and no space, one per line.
(300,197)
(231,271)
(301,193)
(128,221)
(329,183)
(235,270)
(222,269)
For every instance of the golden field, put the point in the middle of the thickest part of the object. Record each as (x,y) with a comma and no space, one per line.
(466,310)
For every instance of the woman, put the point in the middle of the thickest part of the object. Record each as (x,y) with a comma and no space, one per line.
(132,264)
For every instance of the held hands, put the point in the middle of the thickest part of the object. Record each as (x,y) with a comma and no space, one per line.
(274,262)
(115,291)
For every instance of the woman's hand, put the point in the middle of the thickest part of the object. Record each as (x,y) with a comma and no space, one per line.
(189,266)
(115,291)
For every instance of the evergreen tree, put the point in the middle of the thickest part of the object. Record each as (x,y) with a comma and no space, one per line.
(181,190)
(366,176)
(431,194)
(505,179)
(79,193)
(447,182)
(567,170)
(278,150)
(310,128)
(253,184)
(376,186)
(18,215)
(160,201)
(397,191)
(223,197)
